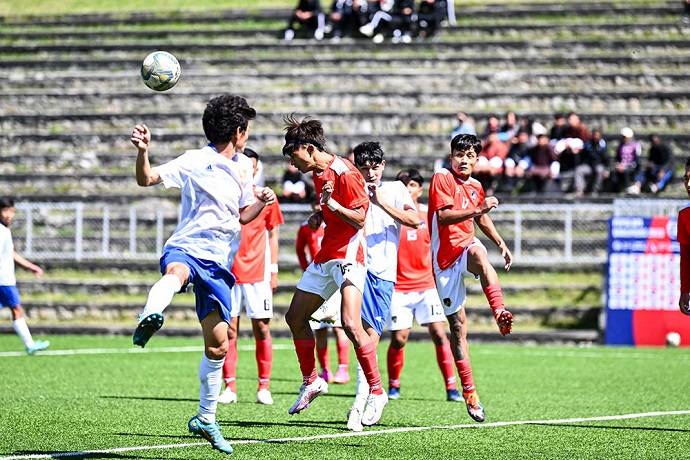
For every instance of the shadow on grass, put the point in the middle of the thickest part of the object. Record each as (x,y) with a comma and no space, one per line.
(327,395)
(76,454)
(149,398)
(609,427)
(331,424)
(147,435)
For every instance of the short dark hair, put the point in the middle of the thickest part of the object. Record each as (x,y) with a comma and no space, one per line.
(302,132)
(251,153)
(558,115)
(368,152)
(465,142)
(407,175)
(687,164)
(6,202)
(224,115)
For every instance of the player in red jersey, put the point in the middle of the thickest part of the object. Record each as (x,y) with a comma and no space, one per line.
(339,265)
(255,269)
(309,238)
(684,240)
(456,203)
(415,297)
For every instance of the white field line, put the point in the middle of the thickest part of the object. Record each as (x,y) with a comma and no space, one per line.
(108,351)
(584,353)
(351,434)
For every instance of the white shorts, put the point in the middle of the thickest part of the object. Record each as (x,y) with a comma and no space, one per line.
(255,298)
(325,279)
(450,284)
(333,303)
(424,306)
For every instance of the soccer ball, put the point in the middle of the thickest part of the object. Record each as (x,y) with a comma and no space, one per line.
(673,339)
(160,70)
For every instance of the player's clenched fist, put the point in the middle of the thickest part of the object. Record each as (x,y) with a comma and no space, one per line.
(489,203)
(326,192)
(266,195)
(141,137)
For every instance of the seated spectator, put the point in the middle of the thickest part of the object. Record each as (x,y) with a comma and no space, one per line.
(576,129)
(493,125)
(429,16)
(568,153)
(559,127)
(465,125)
(514,166)
(489,167)
(296,187)
(345,17)
(510,128)
(627,162)
(658,170)
(310,19)
(540,165)
(394,18)
(594,165)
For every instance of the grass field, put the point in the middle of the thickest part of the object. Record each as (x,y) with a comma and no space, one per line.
(131,406)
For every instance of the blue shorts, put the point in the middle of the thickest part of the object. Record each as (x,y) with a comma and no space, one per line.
(376,302)
(212,282)
(9,296)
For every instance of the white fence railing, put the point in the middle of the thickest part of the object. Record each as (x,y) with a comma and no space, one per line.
(538,234)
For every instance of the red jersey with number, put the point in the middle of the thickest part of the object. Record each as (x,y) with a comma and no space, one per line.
(340,239)
(683,236)
(448,191)
(308,241)
(250,261)
(414,257)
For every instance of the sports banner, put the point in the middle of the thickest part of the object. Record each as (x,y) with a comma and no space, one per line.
(643,282)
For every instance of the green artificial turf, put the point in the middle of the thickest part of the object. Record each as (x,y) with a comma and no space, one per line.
(107,401)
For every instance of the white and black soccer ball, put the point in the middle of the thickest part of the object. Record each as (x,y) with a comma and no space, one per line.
(160,70)
(673,339)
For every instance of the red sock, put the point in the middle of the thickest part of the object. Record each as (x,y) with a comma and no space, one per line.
(396,359)
(343,353)
(465,371)
(264,361)
(305,356)
(494,295)
(322,355)
(230,365)
(366,356)
(444,358)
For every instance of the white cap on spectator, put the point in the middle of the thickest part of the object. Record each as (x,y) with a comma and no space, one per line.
(627,133)
(538,129)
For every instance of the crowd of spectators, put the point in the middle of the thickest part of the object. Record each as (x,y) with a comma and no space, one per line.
(522,155)
(399,20)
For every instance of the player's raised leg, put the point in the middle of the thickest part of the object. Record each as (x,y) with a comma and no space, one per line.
(204,423)
(478,264)
(175,275)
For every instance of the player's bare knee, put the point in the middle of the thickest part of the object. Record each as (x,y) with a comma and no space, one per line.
(292,318)
(17,312)
(261,329)
(179,270)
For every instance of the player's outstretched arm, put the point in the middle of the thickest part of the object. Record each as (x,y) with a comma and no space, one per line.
(28,265)
(489,229)
(263,198)
(141,138)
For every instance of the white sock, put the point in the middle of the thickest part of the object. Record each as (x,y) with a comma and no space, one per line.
(211,378)
(22,330)
(161,294)
(361,390)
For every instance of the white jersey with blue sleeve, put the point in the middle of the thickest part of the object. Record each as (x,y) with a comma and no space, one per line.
(214,189)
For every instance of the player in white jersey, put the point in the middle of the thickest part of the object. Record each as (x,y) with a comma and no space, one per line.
(392,206)
(216,199)
(9,295)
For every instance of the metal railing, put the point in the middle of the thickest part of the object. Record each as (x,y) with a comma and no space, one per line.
(538,234)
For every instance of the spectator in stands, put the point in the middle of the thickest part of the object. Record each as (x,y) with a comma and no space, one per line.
(514,165)
(310,18)
(576,129)
(626,165)
(429,18)
(594,165)
(394,18)
(568,153)
(296,187)
(658,170)
(541,165)
(510,127)
(558,130)
(493,125)
(345,17)
(489,168)
(465,125)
